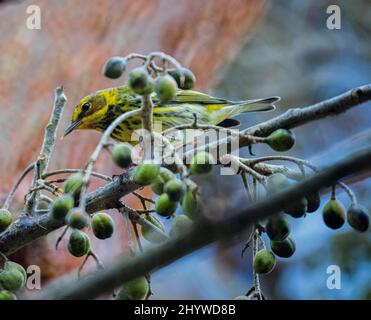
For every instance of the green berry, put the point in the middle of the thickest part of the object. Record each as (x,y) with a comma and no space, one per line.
(192,205)
(148,233)
(358,217)
(180,225)
(78,243)
(334,214)
(102,225)
(121,155)
(314,201)
(281,140)
(140,81)
(136,289)
(164,206)
(298,208)
(164,176)
(77,219)
(175,189)
(11,265)
(73,184)
(5,219)
(114,67)
(61,206)
(264,261)
(277,228)
(166,88)
(184,78)
(7,295)
(277,182)
(241,298)
(202,163)
(146,173)
(284,248)
(12,279)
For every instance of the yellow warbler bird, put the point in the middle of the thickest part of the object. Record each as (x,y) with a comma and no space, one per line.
(97,111)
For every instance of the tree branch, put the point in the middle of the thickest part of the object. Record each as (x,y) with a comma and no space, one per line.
(27,229)
(203,233)
(299,116)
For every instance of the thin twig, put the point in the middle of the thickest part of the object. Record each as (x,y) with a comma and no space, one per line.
(297,161)
(175,158)
(143,199)
(47,147)
(62,171)
(10,196)
(134,216)
(248,170)
(45,198)
(41,211)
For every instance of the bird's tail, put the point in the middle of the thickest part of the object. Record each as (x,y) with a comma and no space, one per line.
(265,104)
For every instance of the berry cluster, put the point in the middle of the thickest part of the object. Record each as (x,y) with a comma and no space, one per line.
(140,82)
(66,207)
(12,277)
(278,227)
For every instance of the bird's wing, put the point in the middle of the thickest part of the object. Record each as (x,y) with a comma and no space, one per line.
(189,96)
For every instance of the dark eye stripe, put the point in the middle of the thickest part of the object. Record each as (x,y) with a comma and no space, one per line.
(85,107)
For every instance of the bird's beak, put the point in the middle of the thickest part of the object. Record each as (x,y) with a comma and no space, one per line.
(71,127)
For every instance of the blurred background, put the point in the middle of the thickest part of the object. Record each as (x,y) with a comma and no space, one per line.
(237,49)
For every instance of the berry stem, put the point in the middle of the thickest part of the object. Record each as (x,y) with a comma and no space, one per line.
(61,237)
(127,221)
(136,233)
(349,192)
(256,281)
(4,257)
(333,192)
(99,263)
(246,185)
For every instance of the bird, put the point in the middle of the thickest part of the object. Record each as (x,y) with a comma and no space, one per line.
(99,109)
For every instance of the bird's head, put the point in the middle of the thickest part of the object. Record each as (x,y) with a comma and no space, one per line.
(89,113)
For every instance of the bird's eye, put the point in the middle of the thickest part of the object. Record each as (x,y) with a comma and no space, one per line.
(85,107)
